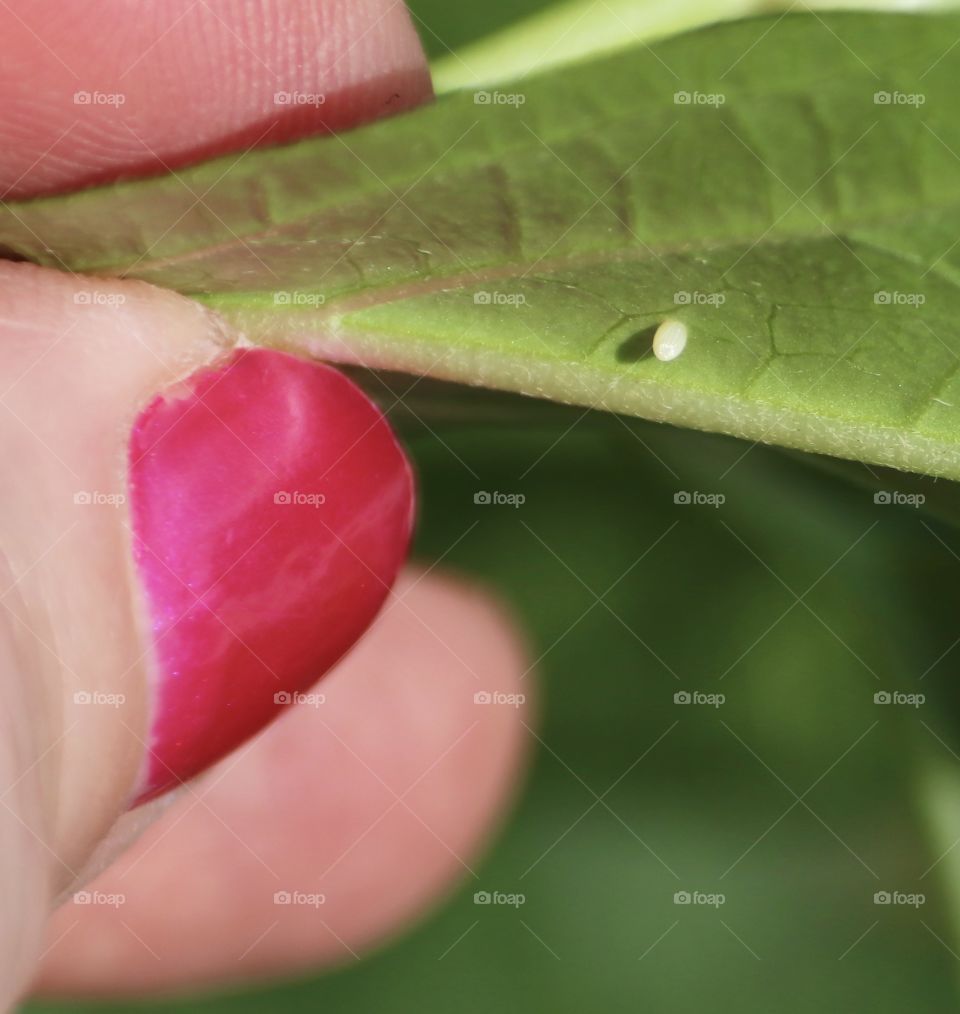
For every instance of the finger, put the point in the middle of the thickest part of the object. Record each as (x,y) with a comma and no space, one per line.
(151,621)
(69,383)
(89,92)
(332,829)
(24,870)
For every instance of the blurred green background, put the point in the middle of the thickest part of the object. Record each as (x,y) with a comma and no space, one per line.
(797,799)
(445,27)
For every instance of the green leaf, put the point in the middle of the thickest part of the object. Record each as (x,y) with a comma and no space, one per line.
(532,243)
(564,32)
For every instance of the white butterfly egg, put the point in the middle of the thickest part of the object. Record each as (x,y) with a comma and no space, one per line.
(670,340)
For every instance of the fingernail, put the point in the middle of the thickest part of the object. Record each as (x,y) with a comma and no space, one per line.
(271,509)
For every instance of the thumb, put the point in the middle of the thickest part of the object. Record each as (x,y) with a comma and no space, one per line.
(137,617)
(183,514)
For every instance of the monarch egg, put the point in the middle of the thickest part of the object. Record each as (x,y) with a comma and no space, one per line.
(670,340)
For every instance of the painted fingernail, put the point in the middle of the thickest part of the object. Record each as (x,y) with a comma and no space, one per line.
(271,508)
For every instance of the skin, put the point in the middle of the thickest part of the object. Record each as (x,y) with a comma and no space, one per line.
(379,797)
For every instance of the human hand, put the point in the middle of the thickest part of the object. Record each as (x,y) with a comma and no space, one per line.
(374,799)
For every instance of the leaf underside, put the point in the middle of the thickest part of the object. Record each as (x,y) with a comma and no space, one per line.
(807,235)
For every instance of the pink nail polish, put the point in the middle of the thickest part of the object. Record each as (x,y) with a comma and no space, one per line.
(272,508)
